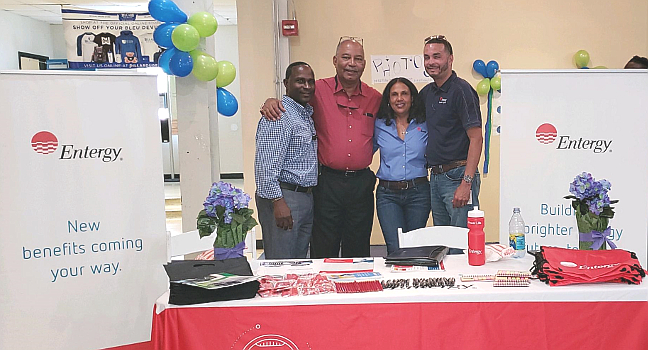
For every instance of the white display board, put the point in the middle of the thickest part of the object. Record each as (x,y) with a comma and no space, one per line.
(386,67)
(558,124)
(83,236)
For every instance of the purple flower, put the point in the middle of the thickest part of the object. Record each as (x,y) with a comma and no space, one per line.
(229,198)
(591,192)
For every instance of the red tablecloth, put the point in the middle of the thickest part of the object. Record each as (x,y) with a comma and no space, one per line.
(599,316)
(480,325)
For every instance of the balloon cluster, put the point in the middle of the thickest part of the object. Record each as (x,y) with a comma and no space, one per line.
(180,36)
(487,71)
(582,58)
(486,86)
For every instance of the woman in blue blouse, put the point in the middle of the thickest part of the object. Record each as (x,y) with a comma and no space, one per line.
(403,194)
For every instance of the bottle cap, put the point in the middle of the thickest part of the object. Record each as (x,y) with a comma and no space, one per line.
(475,213)
(516,210)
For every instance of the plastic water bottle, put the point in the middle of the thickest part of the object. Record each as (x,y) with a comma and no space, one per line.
(476,238)
(517,239)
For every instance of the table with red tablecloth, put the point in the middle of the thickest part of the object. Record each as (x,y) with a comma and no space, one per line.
(470,315)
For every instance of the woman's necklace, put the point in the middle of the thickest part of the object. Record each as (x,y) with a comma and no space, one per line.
(402,128)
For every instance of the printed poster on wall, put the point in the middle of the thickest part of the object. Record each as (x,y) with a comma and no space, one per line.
(82,207)
(386,67)
(96,39)
(558,124)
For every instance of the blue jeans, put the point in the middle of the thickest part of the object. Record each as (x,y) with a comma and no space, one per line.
(408,209)
(442,190)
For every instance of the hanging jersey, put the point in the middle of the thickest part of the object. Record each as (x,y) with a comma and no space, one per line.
(107,42)
(149,47)
(85,46)
(128,46)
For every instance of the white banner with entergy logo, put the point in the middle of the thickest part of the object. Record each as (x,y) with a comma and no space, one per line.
(558,124)
(82,209)
(97,39)
(387,67)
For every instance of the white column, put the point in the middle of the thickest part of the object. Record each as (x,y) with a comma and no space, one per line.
(197,130)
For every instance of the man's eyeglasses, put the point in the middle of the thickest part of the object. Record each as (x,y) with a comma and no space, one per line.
(351,38)
(435,37)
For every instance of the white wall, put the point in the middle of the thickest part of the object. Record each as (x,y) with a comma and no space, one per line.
(229,128)
(23,34)
(58,41)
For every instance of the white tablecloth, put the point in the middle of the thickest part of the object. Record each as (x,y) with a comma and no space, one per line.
(466,292)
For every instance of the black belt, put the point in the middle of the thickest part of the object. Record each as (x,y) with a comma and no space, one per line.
(442,168)
(296,188)
(347,173)
(402,185)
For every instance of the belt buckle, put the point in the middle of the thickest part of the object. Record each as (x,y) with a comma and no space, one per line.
(406,185)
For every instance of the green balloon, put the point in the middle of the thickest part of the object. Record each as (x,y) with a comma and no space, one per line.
(600,67)
(483,87)
(204,22)
(205,67)
(185,38)
(581,58)
(226,73)
(496,83)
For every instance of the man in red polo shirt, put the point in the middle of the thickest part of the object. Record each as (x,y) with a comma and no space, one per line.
(344,110)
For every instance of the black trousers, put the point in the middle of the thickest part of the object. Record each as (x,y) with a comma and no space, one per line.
(344,212)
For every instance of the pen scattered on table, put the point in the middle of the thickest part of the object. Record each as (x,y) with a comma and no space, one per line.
(503,278)
(285,262)
(358,287)
(406,283)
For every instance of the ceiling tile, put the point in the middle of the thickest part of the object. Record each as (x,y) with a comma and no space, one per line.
(54,9)
(18,7)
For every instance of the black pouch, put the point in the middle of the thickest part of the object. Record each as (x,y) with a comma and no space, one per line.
(182,294)
(184,269)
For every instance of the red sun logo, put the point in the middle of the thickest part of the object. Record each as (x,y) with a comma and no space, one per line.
(44,142)
(546,133)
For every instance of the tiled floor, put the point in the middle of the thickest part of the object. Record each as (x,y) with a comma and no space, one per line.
(173,203)
(173,207)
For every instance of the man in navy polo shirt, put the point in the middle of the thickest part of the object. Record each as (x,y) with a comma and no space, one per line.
(455,136)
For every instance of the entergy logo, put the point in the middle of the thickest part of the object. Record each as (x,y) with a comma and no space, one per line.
(547,133)
(44,142)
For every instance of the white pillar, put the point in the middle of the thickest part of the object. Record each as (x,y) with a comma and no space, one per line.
(197,130)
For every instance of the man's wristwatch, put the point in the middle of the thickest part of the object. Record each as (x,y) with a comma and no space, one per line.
(468,179)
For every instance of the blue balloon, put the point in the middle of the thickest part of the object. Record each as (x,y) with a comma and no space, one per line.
(166,11)
(491,68)
(162,34)
(226,102)
(165,58)
(480,67)
(181,63)
(584,67)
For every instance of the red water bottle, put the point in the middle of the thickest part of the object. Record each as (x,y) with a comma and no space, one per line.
(476,238)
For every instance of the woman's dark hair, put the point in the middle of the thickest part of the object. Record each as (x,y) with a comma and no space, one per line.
(417,112)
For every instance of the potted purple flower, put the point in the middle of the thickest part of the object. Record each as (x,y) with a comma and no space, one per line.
(593,211)
(226,212)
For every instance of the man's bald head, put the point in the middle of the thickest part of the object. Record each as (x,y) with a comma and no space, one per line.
(349,61)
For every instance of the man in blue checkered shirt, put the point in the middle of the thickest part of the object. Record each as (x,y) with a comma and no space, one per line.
(285,169)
